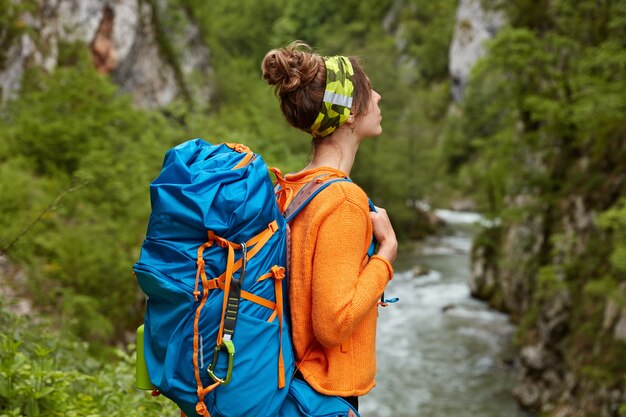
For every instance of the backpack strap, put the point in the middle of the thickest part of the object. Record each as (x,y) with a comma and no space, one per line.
(306,195)
(232,294)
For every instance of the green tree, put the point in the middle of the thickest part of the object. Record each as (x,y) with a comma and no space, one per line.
(71,131)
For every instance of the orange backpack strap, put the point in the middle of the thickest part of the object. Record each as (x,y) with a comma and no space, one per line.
(278,273)
(237,147)
(232,294)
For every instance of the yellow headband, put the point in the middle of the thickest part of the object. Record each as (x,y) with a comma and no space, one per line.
(337,97)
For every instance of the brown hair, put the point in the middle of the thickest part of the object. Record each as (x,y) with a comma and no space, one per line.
(299,79)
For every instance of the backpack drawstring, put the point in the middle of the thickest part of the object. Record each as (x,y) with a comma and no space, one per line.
(284,193)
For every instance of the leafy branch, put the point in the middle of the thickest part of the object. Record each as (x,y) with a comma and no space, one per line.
(74,185)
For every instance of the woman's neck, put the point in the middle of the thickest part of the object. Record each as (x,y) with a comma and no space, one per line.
(336,151)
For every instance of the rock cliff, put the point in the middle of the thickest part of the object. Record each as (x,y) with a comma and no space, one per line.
(474,26)
(547,263)
(512,270)
(127,39)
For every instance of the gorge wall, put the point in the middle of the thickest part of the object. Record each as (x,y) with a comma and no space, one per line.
(153,59)
(553,255)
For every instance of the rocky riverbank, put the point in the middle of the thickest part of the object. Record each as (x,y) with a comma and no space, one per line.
(554,255)
(570,340)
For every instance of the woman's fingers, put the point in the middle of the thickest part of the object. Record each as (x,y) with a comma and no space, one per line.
(384,234)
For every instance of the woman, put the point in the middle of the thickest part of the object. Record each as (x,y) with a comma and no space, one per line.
(334,286)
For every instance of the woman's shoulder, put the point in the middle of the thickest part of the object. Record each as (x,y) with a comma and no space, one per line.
(341,193)
(351,191)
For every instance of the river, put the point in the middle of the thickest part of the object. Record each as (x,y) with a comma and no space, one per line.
(441,353)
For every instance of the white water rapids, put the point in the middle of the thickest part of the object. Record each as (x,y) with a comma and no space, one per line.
(440,352)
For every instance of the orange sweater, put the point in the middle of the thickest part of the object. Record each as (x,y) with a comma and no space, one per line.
(334,287)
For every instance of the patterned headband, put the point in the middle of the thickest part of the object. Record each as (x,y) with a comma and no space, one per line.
(337,97)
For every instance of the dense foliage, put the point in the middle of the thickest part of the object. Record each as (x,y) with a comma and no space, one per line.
(75,161)
(50,373)
(541,138)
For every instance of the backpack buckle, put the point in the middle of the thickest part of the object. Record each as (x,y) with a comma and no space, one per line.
(230,349)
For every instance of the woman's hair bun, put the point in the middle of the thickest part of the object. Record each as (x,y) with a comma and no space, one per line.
(291,67)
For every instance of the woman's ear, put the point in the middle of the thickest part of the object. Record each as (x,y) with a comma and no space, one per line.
(351,119)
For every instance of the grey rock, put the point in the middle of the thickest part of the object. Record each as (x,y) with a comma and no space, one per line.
(620,328)
(407,64)
(151,82)
(128,50)
(555,314)
(482,278)
(578,222)
(125,27)
(614,318)
(420,270)
(78,20)
(522,243)
(474,25)
(11,75)
(612,312)
(568,411)
(11,279)
(196,63)
(535,358)
(528,394)
(552,378)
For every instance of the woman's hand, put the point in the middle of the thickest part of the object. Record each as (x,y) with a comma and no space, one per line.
(384,234)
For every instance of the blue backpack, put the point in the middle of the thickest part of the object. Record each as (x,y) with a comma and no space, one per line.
(213,267)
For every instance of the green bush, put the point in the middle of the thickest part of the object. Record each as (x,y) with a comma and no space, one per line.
(76,164)
(46,372)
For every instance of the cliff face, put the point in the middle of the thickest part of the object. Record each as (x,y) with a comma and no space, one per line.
(551,259)
(557,328)
(553,180)
(128,39)
(474,26)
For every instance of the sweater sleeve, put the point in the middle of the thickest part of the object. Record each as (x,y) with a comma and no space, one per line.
(342,293)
